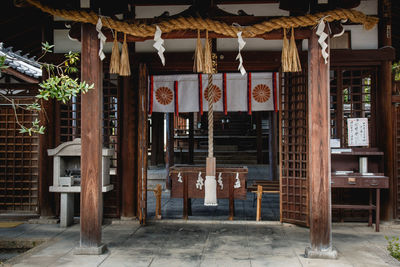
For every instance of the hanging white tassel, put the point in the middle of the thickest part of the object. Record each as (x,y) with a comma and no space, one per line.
(199,183)
(210,191)
(220,181)
(159,44)
(242,43)
(101,37)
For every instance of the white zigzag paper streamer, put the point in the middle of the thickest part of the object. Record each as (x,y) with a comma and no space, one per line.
(220,181)
(101,37)
(322,38)
(242,43)
(237,182)
(180,178)
(199,183)
(159,44)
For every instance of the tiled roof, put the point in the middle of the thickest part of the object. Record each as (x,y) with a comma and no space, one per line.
(21,63)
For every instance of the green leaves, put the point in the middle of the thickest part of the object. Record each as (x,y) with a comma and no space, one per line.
(396,70)
(2,63)
(62,88)
(46,47)
(35,128)
(393,247)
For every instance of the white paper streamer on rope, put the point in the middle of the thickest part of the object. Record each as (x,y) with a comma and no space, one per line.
(101,37)
(242,43)
(180,178)
(199,183)
(159,44)
(237,182)
(220,181)
(322,39)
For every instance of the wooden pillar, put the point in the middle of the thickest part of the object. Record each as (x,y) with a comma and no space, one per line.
(46,141)
(155,132)
(142,143)
(274,160)
(319,157)
(128,149)
(169,161)
(259,138)
(91,126)
(385,108)
(191,138)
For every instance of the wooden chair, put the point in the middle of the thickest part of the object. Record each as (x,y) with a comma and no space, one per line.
(260,187)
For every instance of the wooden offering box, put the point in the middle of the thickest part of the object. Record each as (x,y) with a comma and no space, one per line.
(185,178)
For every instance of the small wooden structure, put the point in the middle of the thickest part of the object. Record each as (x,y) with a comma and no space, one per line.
(187,182)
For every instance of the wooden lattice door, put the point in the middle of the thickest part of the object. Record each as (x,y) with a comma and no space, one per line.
(19,180)
(293,137)
(396,172)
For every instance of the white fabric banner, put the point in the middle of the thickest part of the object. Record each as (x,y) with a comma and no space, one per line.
(236,92)
(218,100)
(188,93)
(262,92)
(163,93)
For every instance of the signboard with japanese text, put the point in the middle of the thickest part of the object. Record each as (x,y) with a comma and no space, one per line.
(358,131)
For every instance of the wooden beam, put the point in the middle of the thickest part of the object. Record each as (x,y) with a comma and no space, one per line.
(319,157)
(20,75)
(91,150)
(46,141)
(21,86)
(128,149)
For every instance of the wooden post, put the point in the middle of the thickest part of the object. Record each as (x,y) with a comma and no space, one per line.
(259,199)
(319,157)
(46,141)
(142,143)
(128,149)
(259,138)
(169,161)
(384,99)
(191,138)
(91,125)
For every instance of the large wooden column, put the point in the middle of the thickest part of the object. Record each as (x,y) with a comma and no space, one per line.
(319,153)
(91,120)
(46,141)
(128,149)
(385,107)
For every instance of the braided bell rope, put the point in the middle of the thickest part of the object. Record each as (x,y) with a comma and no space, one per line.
(145,30)
(210,116)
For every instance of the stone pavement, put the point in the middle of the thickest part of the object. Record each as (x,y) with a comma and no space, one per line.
(202,243)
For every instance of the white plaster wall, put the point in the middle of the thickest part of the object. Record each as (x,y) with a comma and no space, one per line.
(252,44)
(256,9)
(63,44)
(368,7)
(154,11)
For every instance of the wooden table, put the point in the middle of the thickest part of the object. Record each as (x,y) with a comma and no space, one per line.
(184,179)
(376,182)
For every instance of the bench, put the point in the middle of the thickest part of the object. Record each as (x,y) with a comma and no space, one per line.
(260,187)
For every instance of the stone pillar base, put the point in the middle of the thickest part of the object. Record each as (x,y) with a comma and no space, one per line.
(330,253)
(90,250)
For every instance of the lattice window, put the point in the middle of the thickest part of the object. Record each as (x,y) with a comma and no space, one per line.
(18,160)
(294,147)
(352,96)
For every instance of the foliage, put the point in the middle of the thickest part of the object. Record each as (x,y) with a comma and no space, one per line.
(393,247)
(2,63)
(59,85)
(396,70)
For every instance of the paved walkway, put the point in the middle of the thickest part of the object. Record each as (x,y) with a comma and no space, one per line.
(202,243)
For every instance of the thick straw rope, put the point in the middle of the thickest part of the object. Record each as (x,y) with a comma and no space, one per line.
(145,30)
(210,117)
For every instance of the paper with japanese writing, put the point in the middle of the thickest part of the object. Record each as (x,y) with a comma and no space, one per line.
(358,132)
